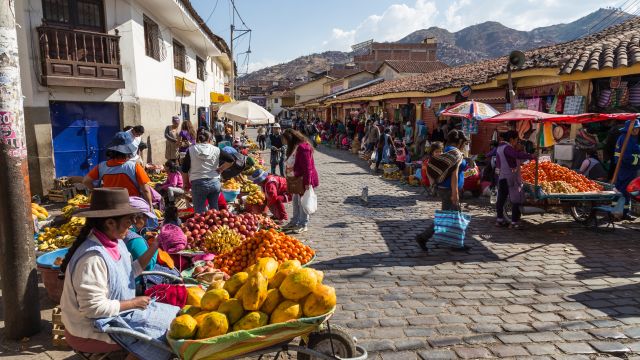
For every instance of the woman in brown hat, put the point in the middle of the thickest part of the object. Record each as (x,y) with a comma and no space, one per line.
(99,282)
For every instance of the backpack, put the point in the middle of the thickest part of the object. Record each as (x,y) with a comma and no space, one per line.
(440,167)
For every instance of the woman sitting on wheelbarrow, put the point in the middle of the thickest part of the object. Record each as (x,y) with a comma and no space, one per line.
(99,284)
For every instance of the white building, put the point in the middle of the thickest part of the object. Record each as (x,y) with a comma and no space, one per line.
(91,67)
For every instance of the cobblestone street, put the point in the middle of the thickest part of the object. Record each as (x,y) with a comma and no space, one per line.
(553,290)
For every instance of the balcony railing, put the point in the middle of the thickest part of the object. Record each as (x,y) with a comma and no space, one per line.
(80,58)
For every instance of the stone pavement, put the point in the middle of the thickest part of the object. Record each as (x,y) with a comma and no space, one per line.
(553,290)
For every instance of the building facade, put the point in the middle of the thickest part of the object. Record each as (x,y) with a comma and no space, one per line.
(91,67)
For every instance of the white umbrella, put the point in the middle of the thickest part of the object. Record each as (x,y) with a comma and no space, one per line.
(246,112)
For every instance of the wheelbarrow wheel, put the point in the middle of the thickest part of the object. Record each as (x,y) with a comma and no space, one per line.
(581,213)
(337,341)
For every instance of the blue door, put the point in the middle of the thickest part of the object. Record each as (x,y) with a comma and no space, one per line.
(81,132)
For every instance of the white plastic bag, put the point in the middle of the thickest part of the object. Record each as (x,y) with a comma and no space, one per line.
(309,201)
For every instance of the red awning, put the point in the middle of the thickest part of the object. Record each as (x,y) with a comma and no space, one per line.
(536,116)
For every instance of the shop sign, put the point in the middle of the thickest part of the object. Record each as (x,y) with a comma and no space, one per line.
(465,91)
(427,103)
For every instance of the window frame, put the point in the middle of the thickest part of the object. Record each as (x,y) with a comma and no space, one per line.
(179,58)
(73,15)
(148,27)
(201,68)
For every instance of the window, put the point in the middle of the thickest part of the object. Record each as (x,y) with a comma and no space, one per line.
(151,38)
(185,112)
(79,14)
(275,100)
(201,71)
(179,57)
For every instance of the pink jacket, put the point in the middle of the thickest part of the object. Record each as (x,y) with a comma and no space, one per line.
(305,166)
(173,180)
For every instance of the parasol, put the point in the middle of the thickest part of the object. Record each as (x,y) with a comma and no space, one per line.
(246,112)
(470,110)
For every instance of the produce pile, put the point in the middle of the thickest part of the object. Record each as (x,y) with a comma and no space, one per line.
(205,272)
(52,238)
(231,184)
(196,228)
(157,177)
(39,212)
(566,180)
(265,293)
(265,243)
(220,240)
(73,204)
(391,172)
(255,196)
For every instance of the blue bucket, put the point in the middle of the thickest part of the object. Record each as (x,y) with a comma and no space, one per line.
(47,260)
(230,195)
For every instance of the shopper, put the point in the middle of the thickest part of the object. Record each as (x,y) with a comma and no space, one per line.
(509,178)
(385,146)
(300,163)
(202,166)
(119,171)
(435,149)
(187,136)
(174,185)
(278,149)
(450,188)
(275,190)
(630,163)
(262,137)
(218,130)
(99,282)
(592,168)
(171,135)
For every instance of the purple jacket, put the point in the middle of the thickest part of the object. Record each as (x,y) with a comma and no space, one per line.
(305,166)
(511,154)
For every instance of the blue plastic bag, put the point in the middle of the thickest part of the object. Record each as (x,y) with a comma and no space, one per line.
(450,227)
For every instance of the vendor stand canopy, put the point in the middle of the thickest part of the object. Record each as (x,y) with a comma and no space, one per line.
(246,112)
(470,110)
(537,116)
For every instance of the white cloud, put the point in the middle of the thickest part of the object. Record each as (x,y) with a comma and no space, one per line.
(253,66)
(454,19)
(395,22)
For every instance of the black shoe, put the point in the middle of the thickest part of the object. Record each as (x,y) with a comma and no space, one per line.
(422,243)
(629,217)
(464,248)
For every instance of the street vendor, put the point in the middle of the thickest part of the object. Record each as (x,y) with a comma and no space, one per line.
(275,190)
(99,283)
(630,163)
(278,149)
(118,171)
(509,178)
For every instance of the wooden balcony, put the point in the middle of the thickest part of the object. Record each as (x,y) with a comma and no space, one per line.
(80,58)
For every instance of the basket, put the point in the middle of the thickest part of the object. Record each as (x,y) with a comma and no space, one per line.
(57,331)
(230,195)
(256,209)
(241,342)
(49,273)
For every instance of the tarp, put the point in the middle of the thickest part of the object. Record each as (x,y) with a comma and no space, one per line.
(537,116)
(246,112)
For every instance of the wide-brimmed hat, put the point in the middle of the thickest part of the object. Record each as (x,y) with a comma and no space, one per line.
(108,202)
(276,125)
(122,142)
(142,206)
(175,119)
(636,125)
(258,176)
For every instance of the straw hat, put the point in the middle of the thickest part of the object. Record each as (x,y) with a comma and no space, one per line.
(108,202)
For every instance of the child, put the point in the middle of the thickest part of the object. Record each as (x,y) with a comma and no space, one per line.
(171,216)
(401,154)
(173,185)
(435,149)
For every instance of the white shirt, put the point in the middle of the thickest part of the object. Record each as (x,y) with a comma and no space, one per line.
(85,296)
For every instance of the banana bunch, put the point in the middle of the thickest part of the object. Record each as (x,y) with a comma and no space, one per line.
(160,177)
(396,175)
(39,212)
(222,240)
(256,198)
(78,200)
(56,238)
(249,188)
(231,184)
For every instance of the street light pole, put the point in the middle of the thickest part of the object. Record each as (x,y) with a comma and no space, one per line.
(19,277)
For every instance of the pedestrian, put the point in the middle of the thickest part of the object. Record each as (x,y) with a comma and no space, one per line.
(187,137)
(262,137)
(630,162)
(218,130)
(509,178)
(360,130)
(592,168)
(202,165)
(275,190)
(278,149)
(174,184)
(119,171)
(99,282)
(408,133)
(300,163)
(385,146)
(421,137)
(451,162)
(373,136)
(171,135)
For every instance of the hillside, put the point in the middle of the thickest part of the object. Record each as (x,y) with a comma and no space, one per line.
(482,41)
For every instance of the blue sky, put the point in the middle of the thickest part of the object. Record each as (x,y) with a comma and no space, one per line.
(286,29)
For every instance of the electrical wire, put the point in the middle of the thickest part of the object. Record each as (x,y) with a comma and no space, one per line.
(607,16)
(619,15)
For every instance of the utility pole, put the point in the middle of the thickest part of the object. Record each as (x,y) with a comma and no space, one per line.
(233,65)
(17,250)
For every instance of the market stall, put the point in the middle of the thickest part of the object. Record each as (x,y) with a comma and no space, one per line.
(549,185)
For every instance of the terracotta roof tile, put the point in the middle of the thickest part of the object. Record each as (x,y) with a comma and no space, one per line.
(416,67)
(614,47)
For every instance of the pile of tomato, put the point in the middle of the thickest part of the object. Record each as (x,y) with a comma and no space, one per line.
(264,243)
(548,171)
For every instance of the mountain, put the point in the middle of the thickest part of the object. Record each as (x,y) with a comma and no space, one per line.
(482,41)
